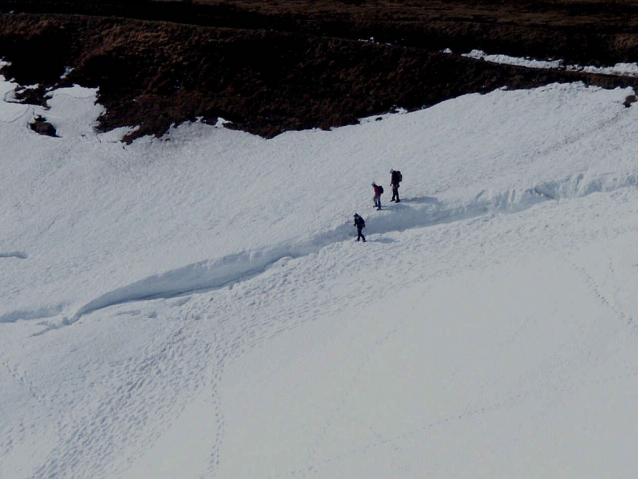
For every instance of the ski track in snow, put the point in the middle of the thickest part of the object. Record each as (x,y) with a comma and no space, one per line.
(409,214)
(604,301)
(157,386)
(22,377)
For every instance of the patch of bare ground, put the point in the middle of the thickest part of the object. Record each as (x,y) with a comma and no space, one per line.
(271,66)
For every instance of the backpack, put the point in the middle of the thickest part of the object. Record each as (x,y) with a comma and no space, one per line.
(399,177)
(381,189)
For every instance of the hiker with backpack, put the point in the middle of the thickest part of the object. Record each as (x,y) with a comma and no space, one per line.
(378,191)
(360,223)
(395,180)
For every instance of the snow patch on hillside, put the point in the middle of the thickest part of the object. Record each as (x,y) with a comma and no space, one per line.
(620,69)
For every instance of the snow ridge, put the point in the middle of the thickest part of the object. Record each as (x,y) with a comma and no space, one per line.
(45,312)
(411,213)
(196,277)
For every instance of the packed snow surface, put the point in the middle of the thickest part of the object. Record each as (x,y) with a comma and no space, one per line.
(196,306)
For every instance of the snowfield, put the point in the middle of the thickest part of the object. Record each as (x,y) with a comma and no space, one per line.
(196,306)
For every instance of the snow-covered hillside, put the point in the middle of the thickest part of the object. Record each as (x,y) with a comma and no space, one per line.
(196,306)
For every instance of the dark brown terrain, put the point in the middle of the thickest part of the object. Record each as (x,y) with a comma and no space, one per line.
(271,66)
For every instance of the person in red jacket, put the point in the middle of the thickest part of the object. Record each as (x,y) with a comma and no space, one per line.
(378,191)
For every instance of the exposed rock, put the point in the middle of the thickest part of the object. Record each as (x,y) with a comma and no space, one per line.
(43,127)
(629,100)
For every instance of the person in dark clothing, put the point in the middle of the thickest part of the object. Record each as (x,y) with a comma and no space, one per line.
(378,191)
(395,181)
(360,223)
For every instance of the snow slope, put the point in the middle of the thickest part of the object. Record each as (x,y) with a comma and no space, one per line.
(196,307)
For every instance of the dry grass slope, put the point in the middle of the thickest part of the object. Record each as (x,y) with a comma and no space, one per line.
(271,66)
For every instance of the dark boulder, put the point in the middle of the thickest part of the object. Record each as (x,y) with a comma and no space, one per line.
(43,127)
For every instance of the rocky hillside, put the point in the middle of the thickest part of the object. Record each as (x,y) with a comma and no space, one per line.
(270,66)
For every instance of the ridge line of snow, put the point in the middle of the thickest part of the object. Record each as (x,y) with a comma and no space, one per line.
(41,313)
(234,268)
